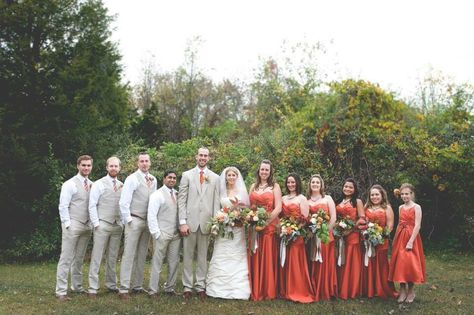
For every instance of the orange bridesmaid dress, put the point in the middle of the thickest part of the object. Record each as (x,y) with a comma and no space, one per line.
(295,284)
(375,275)
(407,265)
(349,275)
(323,274)
(263,264)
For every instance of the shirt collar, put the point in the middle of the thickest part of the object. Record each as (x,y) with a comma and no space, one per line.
(111,178)
(81,178)
(199,170)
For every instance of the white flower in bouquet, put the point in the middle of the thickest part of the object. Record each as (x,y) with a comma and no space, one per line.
(370,224)
(342,224)
(313,220)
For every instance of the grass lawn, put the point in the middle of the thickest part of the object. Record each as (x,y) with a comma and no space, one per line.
(29,289)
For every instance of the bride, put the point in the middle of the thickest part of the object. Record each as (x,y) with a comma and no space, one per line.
(228,277)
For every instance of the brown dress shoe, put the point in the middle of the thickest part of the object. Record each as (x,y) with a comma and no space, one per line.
(172,293)
(92,296)
(124,296)
(63,298)
(187,295)
(202,295)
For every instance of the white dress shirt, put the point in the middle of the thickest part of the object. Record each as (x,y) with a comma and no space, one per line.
(156,200)
(68,189)
(198,170)
(129,186)
(96,191)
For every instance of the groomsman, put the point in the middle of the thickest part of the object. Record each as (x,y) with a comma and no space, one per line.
(76,230)
(164,227)
(104,212)
(198,200)
(134,207)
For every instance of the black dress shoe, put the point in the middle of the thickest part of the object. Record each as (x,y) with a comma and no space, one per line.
(138,291)
(112,290)
(172,293)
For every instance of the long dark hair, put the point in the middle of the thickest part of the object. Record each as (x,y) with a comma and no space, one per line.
(354,196)
(298,183)
(270,180)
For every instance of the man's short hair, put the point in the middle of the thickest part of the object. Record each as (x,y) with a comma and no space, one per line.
(84,158)
(167,172)
(112,158)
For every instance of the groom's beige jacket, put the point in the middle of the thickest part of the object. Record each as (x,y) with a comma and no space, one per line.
(198,203)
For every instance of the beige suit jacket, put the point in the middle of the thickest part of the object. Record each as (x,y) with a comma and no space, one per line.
(198,203)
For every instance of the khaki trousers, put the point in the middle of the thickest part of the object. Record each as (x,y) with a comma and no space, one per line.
(106,236)
(135,248)
(73,248)
(190,243)
(167,245)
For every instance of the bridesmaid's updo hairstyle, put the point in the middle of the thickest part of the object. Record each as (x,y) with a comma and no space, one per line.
(270,180)
(409,186)
(321,190)
(297,180)
(355,195)
(384,203)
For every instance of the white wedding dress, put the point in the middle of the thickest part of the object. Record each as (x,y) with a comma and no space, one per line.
(228,275)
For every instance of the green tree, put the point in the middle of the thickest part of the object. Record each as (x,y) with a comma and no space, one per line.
(60,81)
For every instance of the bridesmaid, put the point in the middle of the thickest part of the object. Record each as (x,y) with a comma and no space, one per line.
(263,263)
(375,274)
(322,272)
(295,284)
(408,260)
(349,272)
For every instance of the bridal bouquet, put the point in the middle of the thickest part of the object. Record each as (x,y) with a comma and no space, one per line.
(319,225)
(257,218)
(223,222)
(343,226)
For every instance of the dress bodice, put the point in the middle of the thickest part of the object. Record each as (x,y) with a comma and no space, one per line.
(315,208)
(378,216)
(264,200)
(347,210)
(407,216)
(291,210)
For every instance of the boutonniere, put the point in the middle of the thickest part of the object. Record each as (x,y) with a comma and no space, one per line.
(120,186)
(206,179)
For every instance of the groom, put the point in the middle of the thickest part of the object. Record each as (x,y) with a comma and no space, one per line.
(198,201)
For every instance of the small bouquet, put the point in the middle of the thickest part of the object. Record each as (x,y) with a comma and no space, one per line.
(375,234)
(223,222)
(319,225)
(343,226)
(256,218)
(290,229)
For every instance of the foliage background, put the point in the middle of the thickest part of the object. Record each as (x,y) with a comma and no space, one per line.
(62,96)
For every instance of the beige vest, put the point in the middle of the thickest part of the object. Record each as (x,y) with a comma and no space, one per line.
(140,197)
(79,205)
(108,204)
(168,214)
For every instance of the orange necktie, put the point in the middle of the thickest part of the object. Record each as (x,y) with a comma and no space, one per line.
(201,177)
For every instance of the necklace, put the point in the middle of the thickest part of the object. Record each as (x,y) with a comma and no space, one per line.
(289,197)
(318,197)
(344,201)
(262,187)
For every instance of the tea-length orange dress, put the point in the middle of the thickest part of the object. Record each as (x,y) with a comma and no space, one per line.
(263,264)
(375,275)
(295,284)
(350,273)
(407,265)
(323,274)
